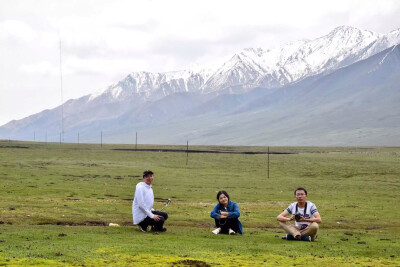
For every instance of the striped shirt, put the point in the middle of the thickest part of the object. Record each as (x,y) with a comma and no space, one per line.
(311,210)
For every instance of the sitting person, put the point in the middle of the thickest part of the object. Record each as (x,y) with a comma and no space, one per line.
(142,207)
(306,218)
(226,214)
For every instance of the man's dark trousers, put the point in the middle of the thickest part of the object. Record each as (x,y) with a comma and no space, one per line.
(155,225)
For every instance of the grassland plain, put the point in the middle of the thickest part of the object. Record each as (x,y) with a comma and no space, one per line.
(57,199)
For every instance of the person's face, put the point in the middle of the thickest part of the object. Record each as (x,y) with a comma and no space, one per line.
(223,200)
(148,179)
(300,196)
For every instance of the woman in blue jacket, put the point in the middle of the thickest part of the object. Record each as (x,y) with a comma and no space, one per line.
(226,214)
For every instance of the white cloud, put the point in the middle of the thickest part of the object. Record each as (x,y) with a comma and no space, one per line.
(17,30)
(42,68)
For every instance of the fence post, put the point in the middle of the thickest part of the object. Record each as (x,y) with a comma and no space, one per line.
(187,151)
(268,162)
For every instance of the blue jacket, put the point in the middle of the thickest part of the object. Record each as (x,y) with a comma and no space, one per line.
(233,211)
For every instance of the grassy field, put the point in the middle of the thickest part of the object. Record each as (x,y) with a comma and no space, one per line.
(57,200)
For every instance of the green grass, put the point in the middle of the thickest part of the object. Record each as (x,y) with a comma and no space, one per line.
(45,187)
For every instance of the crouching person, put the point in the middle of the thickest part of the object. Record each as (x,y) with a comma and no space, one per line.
(226,214)
(142,207)
(305,215)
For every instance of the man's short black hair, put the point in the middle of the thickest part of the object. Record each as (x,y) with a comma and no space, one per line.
(222,192)
(147,172)
(299,189)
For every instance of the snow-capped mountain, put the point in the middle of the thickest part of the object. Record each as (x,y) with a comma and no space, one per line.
(218,92)
(252,68)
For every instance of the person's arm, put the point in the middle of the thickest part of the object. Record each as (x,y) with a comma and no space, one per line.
(232,214)
(283,217)
(317,219)
(214,213)
(140,191)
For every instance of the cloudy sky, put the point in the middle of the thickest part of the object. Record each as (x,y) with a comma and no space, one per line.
(102,41)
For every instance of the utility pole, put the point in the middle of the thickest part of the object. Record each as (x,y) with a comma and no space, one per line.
(62,98)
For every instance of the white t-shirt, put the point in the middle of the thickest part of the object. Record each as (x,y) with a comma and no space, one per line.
(142,202)
(309,214)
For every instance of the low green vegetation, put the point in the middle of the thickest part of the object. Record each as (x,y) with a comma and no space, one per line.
(57,200)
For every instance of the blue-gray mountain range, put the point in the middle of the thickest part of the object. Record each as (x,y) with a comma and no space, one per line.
(339,89)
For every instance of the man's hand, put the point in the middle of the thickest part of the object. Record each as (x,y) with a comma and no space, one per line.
(291,217)
(225,213)
(156,217)
(302,219)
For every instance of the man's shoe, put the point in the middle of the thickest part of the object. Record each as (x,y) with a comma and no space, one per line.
(305,238)
(159,230)
(216,231)
(290,237)
(231,232)
(144,230)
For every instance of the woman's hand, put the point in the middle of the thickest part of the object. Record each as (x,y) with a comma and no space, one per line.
(225,213)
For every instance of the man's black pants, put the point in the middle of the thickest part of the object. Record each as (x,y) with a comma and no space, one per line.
(155,225)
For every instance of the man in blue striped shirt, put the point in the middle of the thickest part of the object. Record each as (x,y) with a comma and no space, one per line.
(305,215)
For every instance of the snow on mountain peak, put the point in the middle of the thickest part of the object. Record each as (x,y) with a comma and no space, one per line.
(254,67)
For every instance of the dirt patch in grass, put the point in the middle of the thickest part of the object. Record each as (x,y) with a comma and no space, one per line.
(194,263)
(25,147)
(156,199)
(206,151)
(85,223)
(373,227)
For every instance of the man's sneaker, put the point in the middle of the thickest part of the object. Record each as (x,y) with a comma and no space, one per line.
(158,230)
(231,232)
(305,238)
(144,230)
(216,231)
(290,237)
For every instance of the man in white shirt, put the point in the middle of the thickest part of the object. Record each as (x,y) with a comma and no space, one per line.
(142,206)
(306,218)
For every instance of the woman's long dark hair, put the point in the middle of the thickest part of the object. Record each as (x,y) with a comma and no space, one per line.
(222,192)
